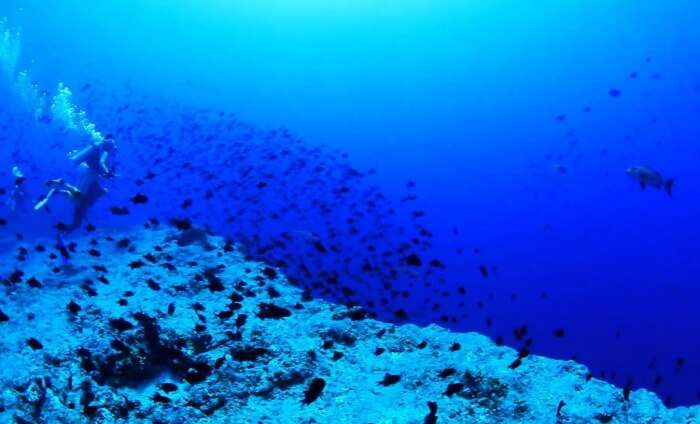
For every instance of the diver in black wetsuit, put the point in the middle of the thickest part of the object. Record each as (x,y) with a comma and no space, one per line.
(94,163)
(17,196)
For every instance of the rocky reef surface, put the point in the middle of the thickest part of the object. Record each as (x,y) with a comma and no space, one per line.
(167,326)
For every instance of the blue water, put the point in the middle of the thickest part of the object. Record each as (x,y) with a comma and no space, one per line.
(501,113)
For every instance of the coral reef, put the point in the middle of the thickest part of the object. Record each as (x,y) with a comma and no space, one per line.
(144,326)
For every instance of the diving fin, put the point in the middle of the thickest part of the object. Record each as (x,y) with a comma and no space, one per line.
(668,186)
(45,200)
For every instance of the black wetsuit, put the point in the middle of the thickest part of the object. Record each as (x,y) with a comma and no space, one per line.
(89,186)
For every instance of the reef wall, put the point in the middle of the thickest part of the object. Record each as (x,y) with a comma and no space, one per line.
(178,326)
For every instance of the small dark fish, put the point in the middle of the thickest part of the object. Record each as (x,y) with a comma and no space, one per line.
(447,372)
(123,243)
(431,418)
(136,264)
(120,324)
(390,379)
(272,311)
(603,418)
(524,351)
(413,260)
(401,315)
(453,388)
(167,387)
(119,211)
(219,362)
(436,263)
(483,269)
(515,364)
(160,398)
(270,273)
(100,268)
(181,224)
(88,290)
(139,199)
(34,344)
(225,314)
(272,292)
(680,362)
(119,345)
(16,276)
(559,407)
(73,307)
(314,390)
(34,283)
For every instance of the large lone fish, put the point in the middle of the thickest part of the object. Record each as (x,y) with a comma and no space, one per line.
(648,177)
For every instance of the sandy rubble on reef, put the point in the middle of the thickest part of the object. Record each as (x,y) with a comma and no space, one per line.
(255,369)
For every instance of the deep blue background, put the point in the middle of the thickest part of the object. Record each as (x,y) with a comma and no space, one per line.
(462,100)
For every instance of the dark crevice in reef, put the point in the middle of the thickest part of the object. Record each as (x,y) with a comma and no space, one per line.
(141,354)
(249,354)
(487,392)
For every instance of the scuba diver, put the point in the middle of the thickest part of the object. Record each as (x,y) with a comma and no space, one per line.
(94,163)
(18,194)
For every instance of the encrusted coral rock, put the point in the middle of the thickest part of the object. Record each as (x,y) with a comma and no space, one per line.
(219,343)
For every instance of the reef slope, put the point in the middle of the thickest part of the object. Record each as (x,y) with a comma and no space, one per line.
(164,326)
